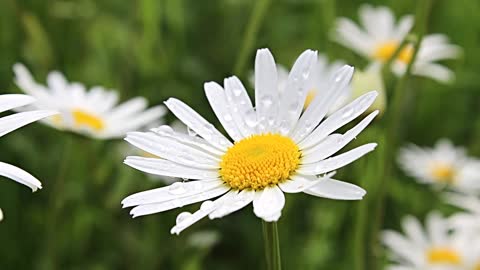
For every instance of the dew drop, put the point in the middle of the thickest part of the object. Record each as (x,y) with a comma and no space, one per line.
(347,113)
(163,130)
(251,118)
(177,188)
(266,101)
(184,217)
(237,92)
(207,205)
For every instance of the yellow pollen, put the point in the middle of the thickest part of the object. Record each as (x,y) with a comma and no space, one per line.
(443,173)
(310,96)
(85,119)
(477,267)
(386,50)
(443,256)
(259,161)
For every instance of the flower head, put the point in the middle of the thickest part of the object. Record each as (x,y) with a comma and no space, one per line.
(381,35)
(94,113)
(442,165)
(12,122)
(277,149)
(432,248)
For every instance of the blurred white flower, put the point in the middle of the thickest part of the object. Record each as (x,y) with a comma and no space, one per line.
(444,165)
(468,221)
(381,36)
(10,123)
(94,113)
(277,149)
(368,80)
(435,248)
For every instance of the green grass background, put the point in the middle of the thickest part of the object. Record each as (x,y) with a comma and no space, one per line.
(164,48)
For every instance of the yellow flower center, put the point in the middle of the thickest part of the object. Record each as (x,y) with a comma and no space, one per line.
(259,161)
(85,119)
(477,267)
(443,172)
(443,256)
(385,51)
(310,96)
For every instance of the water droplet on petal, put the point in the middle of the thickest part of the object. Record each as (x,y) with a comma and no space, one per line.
(266,101)
(237,92)
(251,118)
(207,205)
(184,217)
(347,113)
(177,188)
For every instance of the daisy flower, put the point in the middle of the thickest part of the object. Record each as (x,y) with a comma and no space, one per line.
(10,123)
(434,248)
(443,165)
(94,113)
(275,150)
(379,37)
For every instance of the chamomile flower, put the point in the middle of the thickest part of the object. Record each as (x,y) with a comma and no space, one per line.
(381,36)
(434,248)
(10,123)
(94,113)
(444,165)
(275,150)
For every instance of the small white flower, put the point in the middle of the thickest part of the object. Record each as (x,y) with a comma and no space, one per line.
(443,166)
(435,248)
(276,148)
(468,221)
(381,36)
(10,123)
(94,113)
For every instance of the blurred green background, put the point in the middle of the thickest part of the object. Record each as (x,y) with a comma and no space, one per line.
(163,48)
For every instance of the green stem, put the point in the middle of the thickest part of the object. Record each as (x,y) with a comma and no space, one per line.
(56,204)
(272,245)
(394,122)
(253,26)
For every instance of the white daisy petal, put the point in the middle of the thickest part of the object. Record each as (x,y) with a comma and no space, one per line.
(218,101)
(168,168)
(266,91)
(197,123)
(413,229)
(434,71)
(172,150)
(335,142)
(268,203)
(14,121)
(321,104)
(339,118)
(8,102)
(148,209)
(234,202)
(243,113)
(402,247)
(172,192)
(293,99)
(350,35)
(19,176)
(128,108)
(333,163)
(404,26)
(334,189)
(299,183)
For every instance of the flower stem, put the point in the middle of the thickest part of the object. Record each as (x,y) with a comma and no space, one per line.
(272,245)
(394,118)
(261,6)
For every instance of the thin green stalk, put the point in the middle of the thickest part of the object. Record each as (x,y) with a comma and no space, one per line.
(56,204)
(272,245)
(259,10)
(394,123)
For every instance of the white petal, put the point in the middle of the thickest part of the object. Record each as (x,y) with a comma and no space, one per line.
(293,98)
(148,209)
(413,229)
(172,150)
(437,228)
(333,163)
(14,121)
(337,190)
(234,202)
(24,80)
(168,168)
(172,192)
(197,123)
(218,101)
(268,203)
(120,127)
(194,141)
(435,71)
(19,176)
(339,118)
(335,142)
(300,183)
(350,35)
(243,112)
(186,219)
(266,90)
(130,107)
(1,214)
(403,248)
(321,104)
(10,101)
